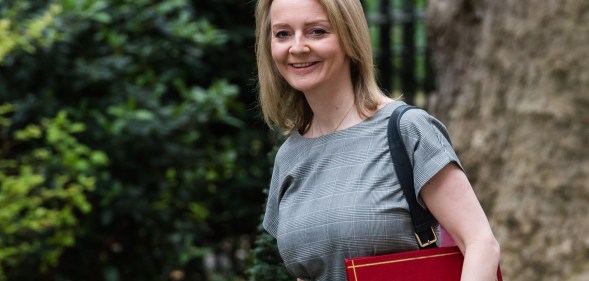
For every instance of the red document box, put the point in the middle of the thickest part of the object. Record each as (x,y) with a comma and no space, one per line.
(440,264)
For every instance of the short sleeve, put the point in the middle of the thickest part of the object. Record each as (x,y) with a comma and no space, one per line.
(427,147)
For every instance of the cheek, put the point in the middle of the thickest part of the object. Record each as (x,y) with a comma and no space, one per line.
(332,49)
(279,59)
(278,52)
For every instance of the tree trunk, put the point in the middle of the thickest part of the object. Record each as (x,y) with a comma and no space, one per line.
(513,82)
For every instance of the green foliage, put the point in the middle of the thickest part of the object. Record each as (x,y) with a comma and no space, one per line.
(26,36)
(267,265)
(43,189)
(131,149)
(165,94)
(266,262)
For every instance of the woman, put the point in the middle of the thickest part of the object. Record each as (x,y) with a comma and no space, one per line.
(334,193)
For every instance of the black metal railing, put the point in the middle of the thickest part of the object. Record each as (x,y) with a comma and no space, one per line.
(400,44)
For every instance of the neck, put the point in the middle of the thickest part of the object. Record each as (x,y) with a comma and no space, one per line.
(332,105)
(334,117)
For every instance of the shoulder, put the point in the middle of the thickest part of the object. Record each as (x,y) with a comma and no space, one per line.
(417,122)
(289,150)
(384,110)
(415,118)
(412,119)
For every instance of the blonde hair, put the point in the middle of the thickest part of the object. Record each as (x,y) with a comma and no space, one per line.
(286,108)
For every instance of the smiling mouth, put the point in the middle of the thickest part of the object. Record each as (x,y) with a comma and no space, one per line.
(302,65)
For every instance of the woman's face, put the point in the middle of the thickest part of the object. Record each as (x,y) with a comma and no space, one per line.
(305,47)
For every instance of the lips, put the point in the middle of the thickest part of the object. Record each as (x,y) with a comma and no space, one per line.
(302,65)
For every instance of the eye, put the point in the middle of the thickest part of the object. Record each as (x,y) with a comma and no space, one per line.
(319,31)
(281,34)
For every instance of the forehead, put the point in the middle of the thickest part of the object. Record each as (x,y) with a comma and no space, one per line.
(285,11)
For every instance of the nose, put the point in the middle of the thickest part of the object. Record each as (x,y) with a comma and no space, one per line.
(299,45)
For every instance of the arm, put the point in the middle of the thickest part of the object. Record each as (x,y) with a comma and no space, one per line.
(451,199)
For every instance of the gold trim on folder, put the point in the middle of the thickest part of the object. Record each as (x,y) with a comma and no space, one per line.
(354,268)
(401,260)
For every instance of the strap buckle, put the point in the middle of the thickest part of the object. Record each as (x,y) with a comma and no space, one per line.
(428,242)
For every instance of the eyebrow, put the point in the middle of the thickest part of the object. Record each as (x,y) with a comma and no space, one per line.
(280,25)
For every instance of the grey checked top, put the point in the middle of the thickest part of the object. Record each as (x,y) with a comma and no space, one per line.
(337,196)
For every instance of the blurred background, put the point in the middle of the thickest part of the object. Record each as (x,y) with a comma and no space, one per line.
(131,146)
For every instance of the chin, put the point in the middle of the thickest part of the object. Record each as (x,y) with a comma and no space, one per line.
(303,87)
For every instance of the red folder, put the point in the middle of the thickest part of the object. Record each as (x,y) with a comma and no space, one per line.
(443,263)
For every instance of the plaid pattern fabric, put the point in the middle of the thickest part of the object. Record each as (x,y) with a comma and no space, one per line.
(337,196)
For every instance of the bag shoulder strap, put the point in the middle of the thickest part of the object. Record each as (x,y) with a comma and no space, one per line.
(423,221)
